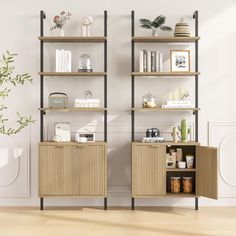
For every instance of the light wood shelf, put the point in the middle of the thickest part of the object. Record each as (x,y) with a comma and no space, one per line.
(141,109)
(180,170)
(162,74)
(187,195)
(164,39)
(69,109)
(73,73)
(73,39)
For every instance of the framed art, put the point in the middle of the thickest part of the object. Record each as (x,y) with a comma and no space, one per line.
(180,60)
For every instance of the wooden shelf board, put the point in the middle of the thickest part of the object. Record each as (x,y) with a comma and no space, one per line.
(72,39)
(180,170)
(141,109)
(190,143)
(162,74)
(164,39)
(190,195)
(72,109)
(73,73)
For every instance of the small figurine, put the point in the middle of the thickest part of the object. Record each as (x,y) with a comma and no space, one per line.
(174,134)
(86,21)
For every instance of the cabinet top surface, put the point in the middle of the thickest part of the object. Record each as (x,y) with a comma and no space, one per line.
(169,143)
(51,143)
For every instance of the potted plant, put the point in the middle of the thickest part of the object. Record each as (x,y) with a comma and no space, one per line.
(7,77)
(157,23)
(60,21)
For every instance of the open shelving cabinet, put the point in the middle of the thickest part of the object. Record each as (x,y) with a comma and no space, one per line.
(150,177)
(71,169)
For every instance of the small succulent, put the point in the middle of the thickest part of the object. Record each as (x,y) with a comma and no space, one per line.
(158,22)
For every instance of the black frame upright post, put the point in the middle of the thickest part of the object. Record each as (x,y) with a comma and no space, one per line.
(105,88)
(195,16)
(42,17)
(132,90)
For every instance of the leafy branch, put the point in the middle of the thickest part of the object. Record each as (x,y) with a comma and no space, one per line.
(7,77)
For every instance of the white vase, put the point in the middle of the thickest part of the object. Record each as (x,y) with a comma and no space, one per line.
(154,32)
(62,32)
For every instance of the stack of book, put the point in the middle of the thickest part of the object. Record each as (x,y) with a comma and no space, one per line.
(87,103)
(150,61)
(178,104)
(63,60)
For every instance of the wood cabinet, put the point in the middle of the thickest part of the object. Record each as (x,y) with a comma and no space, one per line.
(72,169)
(151,178)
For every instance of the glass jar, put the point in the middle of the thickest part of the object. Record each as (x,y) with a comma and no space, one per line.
(175,184)
(179,154)
(149,101)
(85,63)
(187,184)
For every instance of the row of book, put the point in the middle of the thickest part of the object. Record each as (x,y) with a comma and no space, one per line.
(63,60)
(178,104)
(150,61)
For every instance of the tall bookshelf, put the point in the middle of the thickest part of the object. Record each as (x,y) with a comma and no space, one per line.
(150,177)
(79,185)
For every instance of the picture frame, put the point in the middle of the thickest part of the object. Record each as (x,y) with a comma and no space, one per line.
(180,60)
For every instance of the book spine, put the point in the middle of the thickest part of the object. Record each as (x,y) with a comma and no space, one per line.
(178,102)
(149,58)
(141,65)
(153,61)
(158,61)
(57,60)
(161,61)
(144,61)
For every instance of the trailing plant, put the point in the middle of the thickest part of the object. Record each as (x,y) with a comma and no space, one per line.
(7,77)
(158,22)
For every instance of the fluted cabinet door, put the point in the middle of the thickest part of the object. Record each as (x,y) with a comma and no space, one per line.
(148,170)
(72,170)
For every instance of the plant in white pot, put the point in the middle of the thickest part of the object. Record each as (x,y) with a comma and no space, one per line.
(7,78)
(157,23)
(60,21)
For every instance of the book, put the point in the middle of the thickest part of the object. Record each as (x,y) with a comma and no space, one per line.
(177,106)
(157,61)
(144,61)
(149,61)
(141,61)
(153,61)
(178,102)
(160,62)
(63,60)
(57,60)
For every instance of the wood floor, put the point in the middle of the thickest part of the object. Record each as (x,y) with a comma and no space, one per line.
(163,221)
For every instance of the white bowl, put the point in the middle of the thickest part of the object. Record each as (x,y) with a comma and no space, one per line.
(182,164)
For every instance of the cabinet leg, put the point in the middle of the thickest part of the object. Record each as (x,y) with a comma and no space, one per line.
(196,203)
(132,203)
(105,203)
(41,203)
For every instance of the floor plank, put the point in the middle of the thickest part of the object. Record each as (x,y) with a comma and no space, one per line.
(146,221)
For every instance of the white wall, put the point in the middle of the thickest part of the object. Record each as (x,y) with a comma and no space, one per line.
(19,32)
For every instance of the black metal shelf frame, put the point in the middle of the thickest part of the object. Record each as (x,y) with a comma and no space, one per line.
(195,17)
(42,113)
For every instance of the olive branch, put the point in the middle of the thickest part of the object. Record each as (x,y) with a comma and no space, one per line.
(7,77)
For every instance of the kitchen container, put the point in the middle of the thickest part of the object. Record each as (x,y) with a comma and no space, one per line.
(187,184)
(175,184)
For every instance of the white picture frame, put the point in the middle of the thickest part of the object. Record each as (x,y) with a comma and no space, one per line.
(180,60)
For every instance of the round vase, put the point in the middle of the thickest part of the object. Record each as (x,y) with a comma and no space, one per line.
(61,32)
(154,32)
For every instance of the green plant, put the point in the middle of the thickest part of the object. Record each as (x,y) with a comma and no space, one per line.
(158,22)
(184,130)
(6,78)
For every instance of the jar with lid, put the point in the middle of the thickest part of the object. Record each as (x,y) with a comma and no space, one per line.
(179,154)
(187,184)
(175,184)
(149,101)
